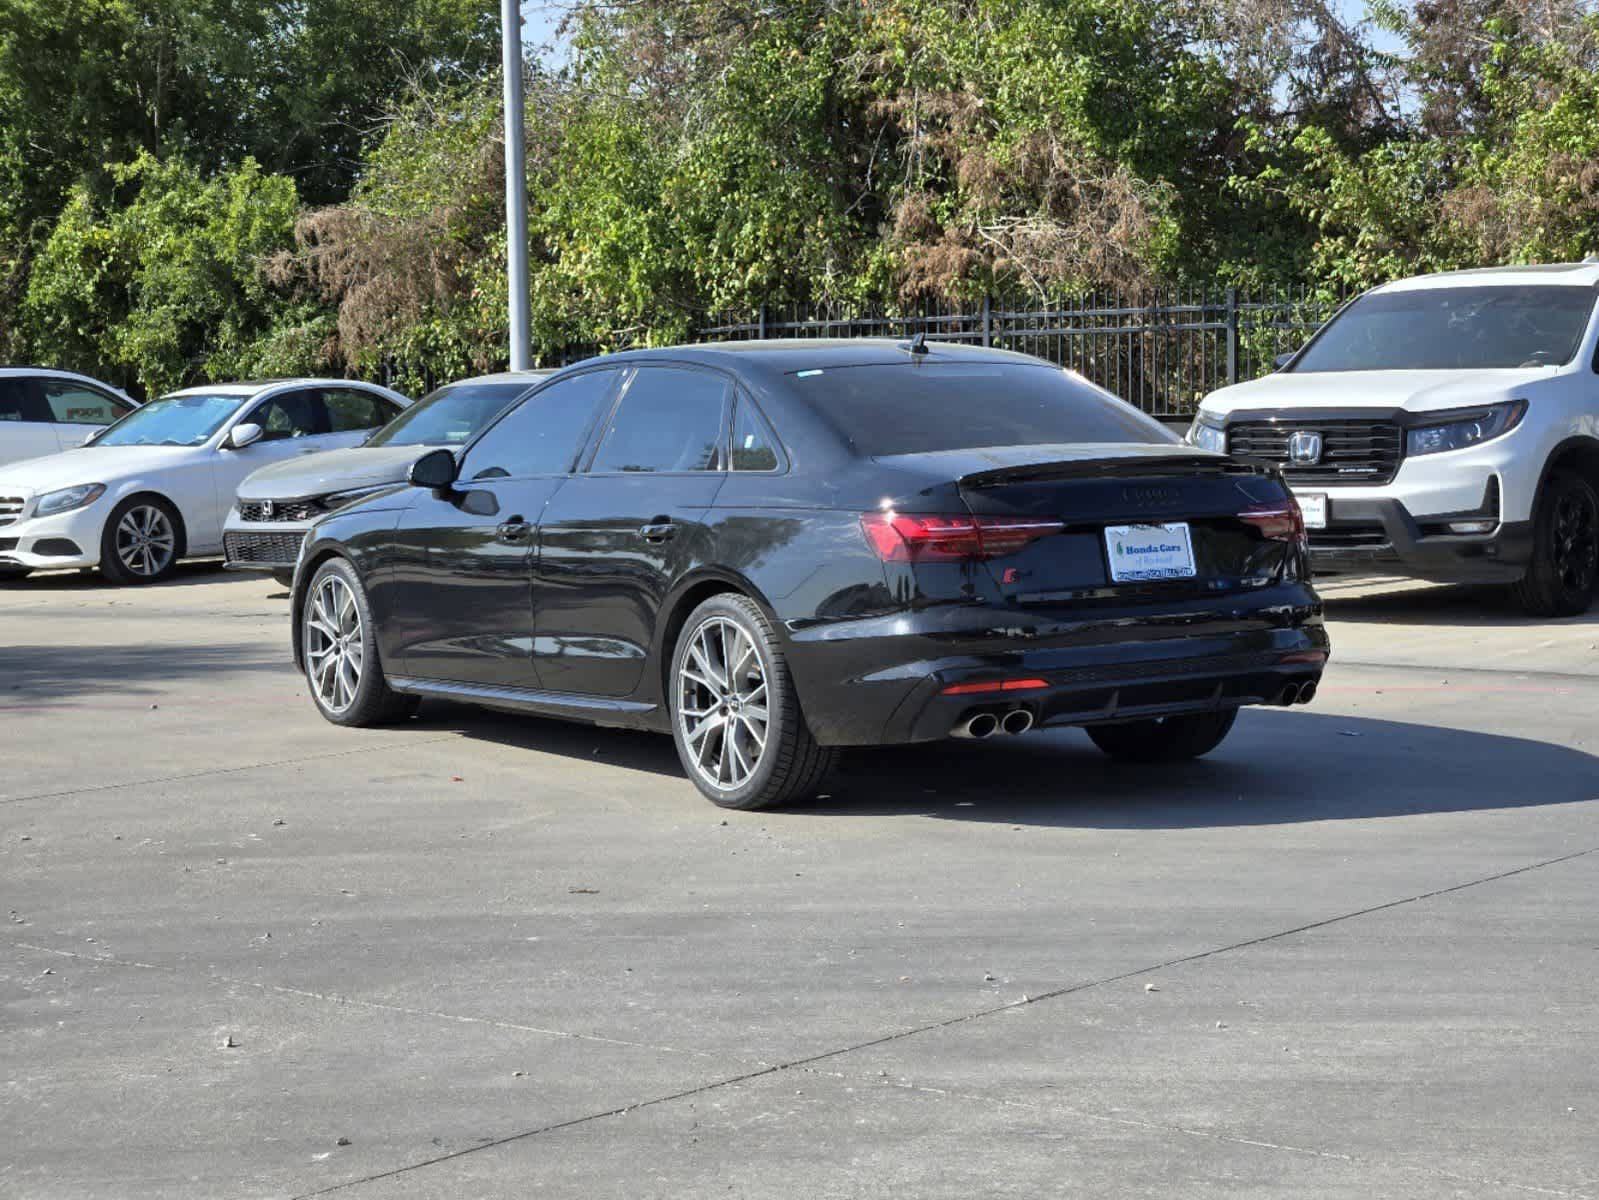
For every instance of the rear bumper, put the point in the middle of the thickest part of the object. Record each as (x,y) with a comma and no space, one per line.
(1381,535)
(881,680)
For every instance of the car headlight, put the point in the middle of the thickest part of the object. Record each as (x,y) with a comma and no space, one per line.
(68,499)
(1464,429)
(1208,434)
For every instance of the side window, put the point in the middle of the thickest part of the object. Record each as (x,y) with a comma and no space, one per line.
(351,410)
(74,404)
(542,435)
(754,447)
(291,415)
(16,401)
(669,419)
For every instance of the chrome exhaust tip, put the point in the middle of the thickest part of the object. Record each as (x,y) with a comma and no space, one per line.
(983,725)
(1288,695)
(1018,720)
(1308,692)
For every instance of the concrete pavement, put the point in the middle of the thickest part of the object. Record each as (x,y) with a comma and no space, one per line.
(248,953)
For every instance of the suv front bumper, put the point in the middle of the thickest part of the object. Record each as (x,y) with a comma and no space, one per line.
(1381,535)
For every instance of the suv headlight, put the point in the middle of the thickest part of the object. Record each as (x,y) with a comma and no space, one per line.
(1465,428)
(1207,433)
(68,499)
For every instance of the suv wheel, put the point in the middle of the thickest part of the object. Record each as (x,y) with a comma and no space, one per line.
(338,646)
(736,718)
(1164,739)
(1561,578)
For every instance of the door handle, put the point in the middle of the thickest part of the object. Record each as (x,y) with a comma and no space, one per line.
(514,530)
(658,531)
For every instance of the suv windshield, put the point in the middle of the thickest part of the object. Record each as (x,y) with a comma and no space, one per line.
(913,408)
(187,420)
(1453,328)
(450,415)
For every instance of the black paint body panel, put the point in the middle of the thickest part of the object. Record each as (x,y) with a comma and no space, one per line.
(577,620)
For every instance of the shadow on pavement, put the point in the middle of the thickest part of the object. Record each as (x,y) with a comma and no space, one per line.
(1276,768)
(205,569)
(71,675)
(1462,606)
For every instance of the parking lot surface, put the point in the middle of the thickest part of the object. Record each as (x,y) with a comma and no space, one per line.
(248,953)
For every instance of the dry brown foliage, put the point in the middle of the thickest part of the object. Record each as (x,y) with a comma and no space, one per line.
(1040,210)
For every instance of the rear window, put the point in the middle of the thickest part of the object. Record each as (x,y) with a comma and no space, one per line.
(1455,328)
(913,408)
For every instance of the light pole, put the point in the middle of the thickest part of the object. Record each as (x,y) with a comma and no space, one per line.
(515,186)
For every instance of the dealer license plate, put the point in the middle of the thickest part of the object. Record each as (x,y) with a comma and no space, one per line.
(1314,506)
(1139,553)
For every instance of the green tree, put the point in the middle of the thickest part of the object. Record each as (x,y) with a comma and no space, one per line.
(162,284)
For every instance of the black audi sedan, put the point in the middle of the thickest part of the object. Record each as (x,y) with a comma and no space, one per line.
(772,550)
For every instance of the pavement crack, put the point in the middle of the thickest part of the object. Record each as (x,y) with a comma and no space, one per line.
(961,1019)
(255,766)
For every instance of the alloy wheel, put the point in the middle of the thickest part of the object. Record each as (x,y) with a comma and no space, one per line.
(722,700)
(146,540)
(334,653)
(1576,541)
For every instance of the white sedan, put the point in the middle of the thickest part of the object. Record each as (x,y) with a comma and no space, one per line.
(156,486)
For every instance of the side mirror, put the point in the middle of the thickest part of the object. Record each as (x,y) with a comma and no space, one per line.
(437,469)
(1282,360)
(244,435)
(89,441)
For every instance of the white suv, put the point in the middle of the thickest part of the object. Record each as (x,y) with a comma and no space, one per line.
(43,411)
(1445,427)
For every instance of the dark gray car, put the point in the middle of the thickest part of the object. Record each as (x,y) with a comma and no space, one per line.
(275,506)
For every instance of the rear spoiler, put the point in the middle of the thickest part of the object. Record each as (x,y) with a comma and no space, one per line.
(1180,466)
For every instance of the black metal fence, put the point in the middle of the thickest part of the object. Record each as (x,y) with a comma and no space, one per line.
(1163,355)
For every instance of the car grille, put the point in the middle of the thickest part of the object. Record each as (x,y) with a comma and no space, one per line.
(1351,452)
(10,509)
(280,510)
(274,549)
(1348,537)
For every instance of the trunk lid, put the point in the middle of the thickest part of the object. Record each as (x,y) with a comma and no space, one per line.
(1074,493)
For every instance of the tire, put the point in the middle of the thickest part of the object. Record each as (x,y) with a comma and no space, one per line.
(339,650)
(716,720)
(283,578)
(8,573)
(1166,739)
(1561,578)
(142,541)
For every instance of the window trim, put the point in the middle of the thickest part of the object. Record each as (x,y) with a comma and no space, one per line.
(604,405)
(597,436)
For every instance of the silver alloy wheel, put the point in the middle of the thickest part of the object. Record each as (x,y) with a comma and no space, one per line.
(334,654)
(722,703)
(146,540)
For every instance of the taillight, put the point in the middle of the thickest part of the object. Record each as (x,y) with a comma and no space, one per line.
(1277,522)
(914,537)
(995,685)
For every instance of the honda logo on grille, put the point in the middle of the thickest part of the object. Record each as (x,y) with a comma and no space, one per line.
(268,509)
(1304,448)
